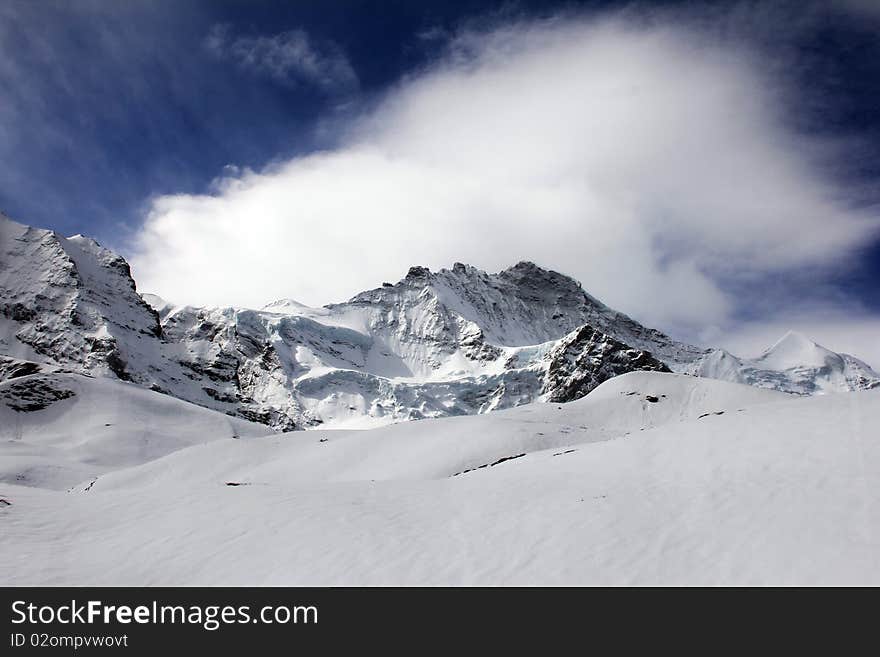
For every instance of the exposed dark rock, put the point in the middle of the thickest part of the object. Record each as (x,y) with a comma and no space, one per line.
(11,368)
(221,397)
(33,393)
(117,366)
(268,417)
(18,312)
(490,465)
(506,458)
(586,359)
(107,351)
(417,272)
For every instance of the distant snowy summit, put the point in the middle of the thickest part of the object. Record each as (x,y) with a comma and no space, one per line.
(795,364)
(452,342)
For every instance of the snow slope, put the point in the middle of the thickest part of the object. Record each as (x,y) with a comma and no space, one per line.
(651,479)
(61,429)
(448,446)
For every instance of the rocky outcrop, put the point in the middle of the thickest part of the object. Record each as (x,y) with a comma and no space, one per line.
(34,393)
(586,358)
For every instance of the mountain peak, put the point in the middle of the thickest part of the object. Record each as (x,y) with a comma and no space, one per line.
(795,338)
(794,349)
(417,272)
(526,272)
(526,266)
(291,306)
(523,272)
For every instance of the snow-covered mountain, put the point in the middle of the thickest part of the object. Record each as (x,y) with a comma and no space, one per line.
(458,341)
(794,364)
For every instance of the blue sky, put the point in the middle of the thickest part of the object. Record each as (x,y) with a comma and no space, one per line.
(110,103)
(144,123)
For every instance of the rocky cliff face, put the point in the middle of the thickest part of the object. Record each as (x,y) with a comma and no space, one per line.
(68,300)
(586,358)
(457,341)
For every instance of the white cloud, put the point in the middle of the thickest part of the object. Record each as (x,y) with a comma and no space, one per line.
(291,56)
(645,159)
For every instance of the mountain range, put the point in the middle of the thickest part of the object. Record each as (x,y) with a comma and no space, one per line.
(456,341)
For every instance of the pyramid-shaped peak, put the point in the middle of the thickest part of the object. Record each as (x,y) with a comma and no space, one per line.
(795,349)
(794,338)
(794,341)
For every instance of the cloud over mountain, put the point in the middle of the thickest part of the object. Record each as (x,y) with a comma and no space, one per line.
(649,159)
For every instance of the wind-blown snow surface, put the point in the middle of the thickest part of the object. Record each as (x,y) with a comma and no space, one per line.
(59,429)
(650,479)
